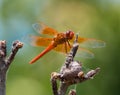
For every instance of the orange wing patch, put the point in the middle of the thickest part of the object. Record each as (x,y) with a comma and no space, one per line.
(62,48)
(40,41)
(83,53)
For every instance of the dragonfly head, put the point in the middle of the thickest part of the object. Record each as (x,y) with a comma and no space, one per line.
(69,34)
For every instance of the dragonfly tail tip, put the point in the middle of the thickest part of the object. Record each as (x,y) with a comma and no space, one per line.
(31,62)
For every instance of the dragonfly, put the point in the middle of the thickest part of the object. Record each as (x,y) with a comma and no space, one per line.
(61,41)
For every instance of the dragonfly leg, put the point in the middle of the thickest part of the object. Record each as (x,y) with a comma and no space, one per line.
(68,43)
(65,47)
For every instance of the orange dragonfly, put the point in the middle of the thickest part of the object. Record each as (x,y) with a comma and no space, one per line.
(61,42)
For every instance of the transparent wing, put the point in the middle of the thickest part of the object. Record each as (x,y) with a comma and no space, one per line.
(84,53)
(44,29)
(90,42)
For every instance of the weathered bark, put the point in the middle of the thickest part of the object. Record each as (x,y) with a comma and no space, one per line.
(5,62)
(70,73)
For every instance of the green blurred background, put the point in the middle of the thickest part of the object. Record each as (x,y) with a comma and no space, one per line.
(98,19)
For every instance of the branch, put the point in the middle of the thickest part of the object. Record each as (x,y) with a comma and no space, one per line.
(5,62)
(70,73)
(15,48)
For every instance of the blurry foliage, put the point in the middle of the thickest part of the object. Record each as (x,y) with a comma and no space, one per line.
(91,18)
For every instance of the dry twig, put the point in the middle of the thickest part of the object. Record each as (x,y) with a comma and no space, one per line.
(6,61)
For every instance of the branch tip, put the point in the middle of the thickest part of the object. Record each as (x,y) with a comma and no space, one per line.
(2,48)
(17,44)
(2,42)
(72,92)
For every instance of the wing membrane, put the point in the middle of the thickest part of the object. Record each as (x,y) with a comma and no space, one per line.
(90,42)
(84,53)
(40,41)
(44,29)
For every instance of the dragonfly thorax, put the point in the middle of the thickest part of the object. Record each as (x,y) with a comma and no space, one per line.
(60,38)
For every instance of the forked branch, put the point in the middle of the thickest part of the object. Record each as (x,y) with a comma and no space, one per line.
(70,73)
(6,61)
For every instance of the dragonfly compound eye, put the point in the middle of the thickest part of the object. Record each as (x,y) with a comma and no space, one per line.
(70,34)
